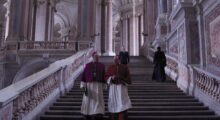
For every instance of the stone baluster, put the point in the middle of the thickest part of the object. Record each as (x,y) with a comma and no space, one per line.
(208,84)
(218,91)
(199,80)
(211,87)
(214,87)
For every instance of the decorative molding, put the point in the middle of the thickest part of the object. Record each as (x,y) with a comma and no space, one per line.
(182,43)
(212,21)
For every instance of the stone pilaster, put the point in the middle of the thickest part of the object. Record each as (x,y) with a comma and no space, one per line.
(201,29)
(98,25)
(142,29)
(3,11)
(136,49)
(109,40)
(103,22)
(86,23)
(44,20)
(125,32)
(132,35)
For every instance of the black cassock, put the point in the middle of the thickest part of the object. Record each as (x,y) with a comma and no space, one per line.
(124,57)
(160,63)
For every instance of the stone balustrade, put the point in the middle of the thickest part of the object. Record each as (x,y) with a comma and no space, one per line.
(54,45)
(172,63)
(22,100)
(31,97)
(43,45)
(207,83)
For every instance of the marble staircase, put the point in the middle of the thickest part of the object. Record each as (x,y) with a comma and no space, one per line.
(151,100)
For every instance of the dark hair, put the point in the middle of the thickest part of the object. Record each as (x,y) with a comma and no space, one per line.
(158,48)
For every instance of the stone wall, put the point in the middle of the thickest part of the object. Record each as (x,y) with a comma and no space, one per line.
(192,48)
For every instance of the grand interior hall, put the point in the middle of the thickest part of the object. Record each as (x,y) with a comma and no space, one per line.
(46,44)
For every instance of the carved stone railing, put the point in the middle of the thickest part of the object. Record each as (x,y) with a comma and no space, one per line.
(172,63)
(25,99)
(39,45)
(208,83)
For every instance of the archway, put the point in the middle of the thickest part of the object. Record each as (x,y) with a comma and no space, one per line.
(33,66)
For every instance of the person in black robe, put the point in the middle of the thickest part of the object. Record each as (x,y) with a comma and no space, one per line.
(124,56)
(160,63)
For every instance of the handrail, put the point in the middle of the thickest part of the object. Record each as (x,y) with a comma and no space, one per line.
(172,63)
(207,82)
(26,94)
(39,45)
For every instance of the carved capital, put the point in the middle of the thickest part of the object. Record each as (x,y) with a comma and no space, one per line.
(40,2)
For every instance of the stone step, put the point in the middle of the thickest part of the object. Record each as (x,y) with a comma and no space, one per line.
(139,104)
(179,117)
(135,100)
(151,100)
(130,91)
(138,113)
(141,108)
(133,93)
(144,87)
(138,97)
(144,84)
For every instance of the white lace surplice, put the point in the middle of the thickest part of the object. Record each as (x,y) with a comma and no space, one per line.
(94,102)
(118,100)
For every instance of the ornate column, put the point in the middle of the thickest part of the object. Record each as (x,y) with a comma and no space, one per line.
(18,20)
(137,30)
(109,40)
(86,23)
(125,32)
(17,23)
(142,29)
(146,21)
(51,7)
(133,32)
(103,21)
(44,20)
(201,29)
(3,11)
